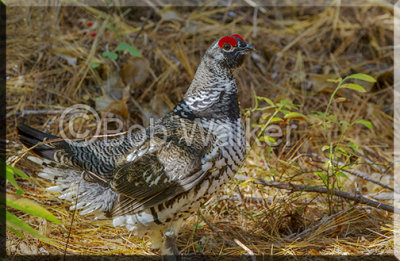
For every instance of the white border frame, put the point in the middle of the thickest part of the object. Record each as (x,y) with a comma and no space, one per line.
(396,125)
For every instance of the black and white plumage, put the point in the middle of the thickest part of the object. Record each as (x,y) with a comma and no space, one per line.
(151,181)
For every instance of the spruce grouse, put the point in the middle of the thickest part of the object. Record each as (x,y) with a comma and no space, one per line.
(151,181)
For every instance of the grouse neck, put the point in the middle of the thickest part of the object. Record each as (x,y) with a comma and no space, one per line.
(212,93)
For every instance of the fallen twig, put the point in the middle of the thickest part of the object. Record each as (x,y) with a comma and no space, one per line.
(376,166)
(37,112)
(248,250)
(354,197)
(364,176)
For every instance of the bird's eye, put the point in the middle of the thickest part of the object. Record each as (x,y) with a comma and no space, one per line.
(227,46)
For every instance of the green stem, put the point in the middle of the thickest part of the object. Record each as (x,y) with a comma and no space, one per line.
(329,195)
(329,104)
(262,131)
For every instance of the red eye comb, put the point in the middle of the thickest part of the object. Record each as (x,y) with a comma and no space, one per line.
(238,36)
(227,39)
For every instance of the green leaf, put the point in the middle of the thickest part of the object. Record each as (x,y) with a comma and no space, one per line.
(361,76)
(285,102)
(15,223)
(322,176)
(275,119)
(11,179)
(19,173)
(111,55)
(352,86)
(16,232)
(284,111)
(94,65)
(352,145)
(365,123)
(291,115)
(341,174)
(332,117)
(196,225)
(129,48)
(325,147)
(30,207)
(268,139)
(267,100)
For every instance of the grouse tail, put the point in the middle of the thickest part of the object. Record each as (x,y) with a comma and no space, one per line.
(43,144)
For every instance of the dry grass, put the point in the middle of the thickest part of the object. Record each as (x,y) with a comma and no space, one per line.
(48,68)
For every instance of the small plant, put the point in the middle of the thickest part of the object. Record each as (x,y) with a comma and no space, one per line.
(122,47)
(339,150)
(113,55)
(281,112)
(15,224)
(342,149)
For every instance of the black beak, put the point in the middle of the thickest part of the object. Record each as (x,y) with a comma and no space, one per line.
(249,47)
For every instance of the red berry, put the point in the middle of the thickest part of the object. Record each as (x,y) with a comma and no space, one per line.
(89,24)
(84,33)
(93,34)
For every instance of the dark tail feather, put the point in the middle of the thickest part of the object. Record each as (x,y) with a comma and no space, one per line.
(30,137)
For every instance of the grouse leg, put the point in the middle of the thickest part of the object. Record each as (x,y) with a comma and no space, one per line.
(169,249)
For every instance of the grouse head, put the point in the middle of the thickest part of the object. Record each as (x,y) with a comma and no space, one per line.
(213,91)
(229,51)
